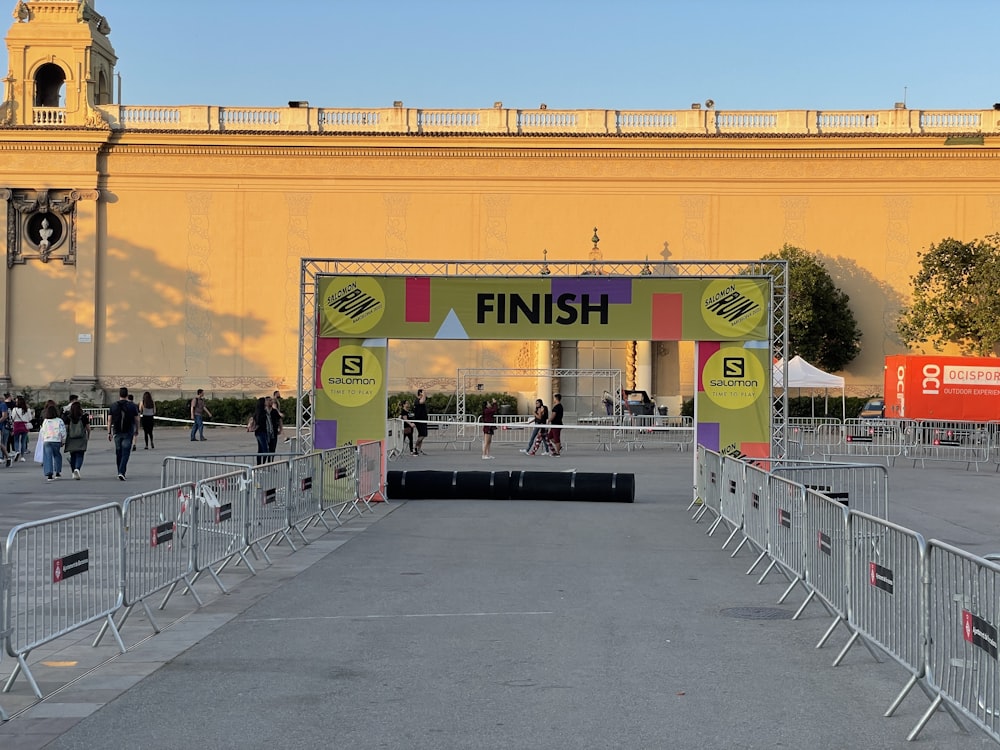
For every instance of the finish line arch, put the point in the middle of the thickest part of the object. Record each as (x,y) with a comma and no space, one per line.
(735,312)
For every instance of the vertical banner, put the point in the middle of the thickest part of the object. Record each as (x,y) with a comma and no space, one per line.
(732,405)
(351,391)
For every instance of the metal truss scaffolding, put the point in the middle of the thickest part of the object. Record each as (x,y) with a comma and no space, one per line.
(314,268)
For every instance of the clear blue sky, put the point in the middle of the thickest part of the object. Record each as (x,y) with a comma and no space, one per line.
(630,54)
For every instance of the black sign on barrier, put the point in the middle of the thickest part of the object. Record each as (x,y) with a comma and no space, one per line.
(732,486)
(880,578)
(979,632)
(784,518)
(306,483)
(755,500)
(824,544)
(162,533)
(340,472)
(71,565)
(223,513)
(269,496)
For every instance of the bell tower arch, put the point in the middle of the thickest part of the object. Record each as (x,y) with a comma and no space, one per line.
(60,64)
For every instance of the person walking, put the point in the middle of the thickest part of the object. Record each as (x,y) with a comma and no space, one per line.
(420,420)
(77,436)
(259,425)
(274,425)
(198,413)
(123,428)
(5,427)
(146,414)
(52,434)
(404,417)
(540,418)
(555,426)
(20,418)
(489,427)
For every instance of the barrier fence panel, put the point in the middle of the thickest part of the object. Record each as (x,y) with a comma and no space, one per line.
(304,488)
(887,593)
(182,470)
(872,437)
(369,473)
(733,495)
(860,487)
(158,548)
(711,500)
(267,507)
(339,483)
(963,602)
(220,522)
(4,630)
(755,512)
(944,440)
(826,553)
(785,512)
(65,572)
(395,443)
(98,417)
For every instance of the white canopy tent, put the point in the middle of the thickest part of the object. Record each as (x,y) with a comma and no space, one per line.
(801,374)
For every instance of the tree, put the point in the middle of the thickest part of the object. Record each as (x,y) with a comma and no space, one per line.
(956,297)
(822,328)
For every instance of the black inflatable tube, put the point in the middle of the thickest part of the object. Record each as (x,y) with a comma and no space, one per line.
(511,485)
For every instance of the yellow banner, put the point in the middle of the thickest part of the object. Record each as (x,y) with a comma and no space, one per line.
(592,308)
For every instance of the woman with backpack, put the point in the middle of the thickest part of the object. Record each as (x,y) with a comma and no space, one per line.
(52,435)
(77,435)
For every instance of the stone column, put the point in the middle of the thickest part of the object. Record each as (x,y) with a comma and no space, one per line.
(644,366)
(87,243)
(5,324)
(543,384)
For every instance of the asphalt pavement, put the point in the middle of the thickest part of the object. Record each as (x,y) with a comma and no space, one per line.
(484,624)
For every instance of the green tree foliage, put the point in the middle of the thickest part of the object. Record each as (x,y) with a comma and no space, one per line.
(956,297)
(822,328)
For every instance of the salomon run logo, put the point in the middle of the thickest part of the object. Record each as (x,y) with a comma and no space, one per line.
(353,305)
(733,307)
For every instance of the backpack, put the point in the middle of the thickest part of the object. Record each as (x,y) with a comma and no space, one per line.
(76,429)
(121,418)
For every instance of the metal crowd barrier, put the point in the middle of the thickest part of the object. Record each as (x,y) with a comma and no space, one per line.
(887,596)
(158,554)
(827,558)
(220,523)
(98,417)
(395,442)
(181,469)
(710,493)
(4,631)
(304,488)
(964,615)
(862,487)
(658,431)
(369,473)
(64,573)
(754,518)
(784,508)
(733,494)
(267,507)
(338,478)
(944,440)
(449,430)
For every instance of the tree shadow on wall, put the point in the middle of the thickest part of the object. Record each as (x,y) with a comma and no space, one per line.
(872,298)
(159,326)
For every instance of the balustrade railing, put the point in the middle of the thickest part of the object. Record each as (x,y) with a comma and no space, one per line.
(499,121)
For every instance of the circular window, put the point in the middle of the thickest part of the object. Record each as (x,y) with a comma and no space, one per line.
(45,231)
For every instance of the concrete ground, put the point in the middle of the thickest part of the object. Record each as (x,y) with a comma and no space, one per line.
(485,624)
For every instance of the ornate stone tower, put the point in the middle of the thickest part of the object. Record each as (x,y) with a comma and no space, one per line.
(61,65)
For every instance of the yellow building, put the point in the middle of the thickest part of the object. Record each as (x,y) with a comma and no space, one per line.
(159,247)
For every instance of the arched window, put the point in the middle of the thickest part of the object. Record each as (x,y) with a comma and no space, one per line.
(50,82)
(103,89)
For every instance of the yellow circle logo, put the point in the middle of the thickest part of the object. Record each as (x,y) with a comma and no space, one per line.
(353,305)
(733,378)
(733,307)
(352,376)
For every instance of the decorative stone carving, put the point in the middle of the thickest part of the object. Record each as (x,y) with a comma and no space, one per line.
(22,13)
(41,225)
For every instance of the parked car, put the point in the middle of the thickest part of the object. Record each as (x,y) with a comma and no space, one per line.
(874,409)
